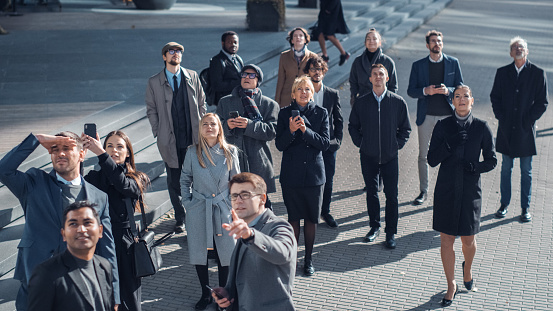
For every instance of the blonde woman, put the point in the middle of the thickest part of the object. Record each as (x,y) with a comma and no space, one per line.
(207,169)
(302,135)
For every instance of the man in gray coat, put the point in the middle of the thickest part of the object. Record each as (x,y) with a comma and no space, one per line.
(249,121)
(263,264)
(175,102)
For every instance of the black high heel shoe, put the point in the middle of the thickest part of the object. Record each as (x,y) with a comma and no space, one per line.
(447,302)
(203,303)
(469,284)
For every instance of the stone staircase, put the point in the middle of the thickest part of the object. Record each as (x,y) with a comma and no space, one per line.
(395,19)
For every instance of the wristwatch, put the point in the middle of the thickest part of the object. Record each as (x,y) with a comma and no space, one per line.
(252,235)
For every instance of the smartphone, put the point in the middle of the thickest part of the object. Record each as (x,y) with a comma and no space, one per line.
(216,292)
(295,113)
(233,114)
(438,86)
(90,129)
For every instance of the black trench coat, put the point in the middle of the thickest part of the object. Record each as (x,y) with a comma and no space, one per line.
(331,19)
(458,196)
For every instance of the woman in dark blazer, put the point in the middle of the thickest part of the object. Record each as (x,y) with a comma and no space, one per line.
(124,186)
(302,135)
(359,83)
(457,143)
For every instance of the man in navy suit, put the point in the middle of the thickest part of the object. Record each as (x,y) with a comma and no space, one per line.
(225,68)
(44,196)
(76,279)
(432,82)
(329,99)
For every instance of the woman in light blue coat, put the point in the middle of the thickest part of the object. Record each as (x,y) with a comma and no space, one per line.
(207,168)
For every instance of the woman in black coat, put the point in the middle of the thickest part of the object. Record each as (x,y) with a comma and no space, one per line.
(302,135)
(330,22)
(457,143)
(124,186)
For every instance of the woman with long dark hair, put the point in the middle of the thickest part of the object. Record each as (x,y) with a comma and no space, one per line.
(457,144)
(125,186)
(207,169)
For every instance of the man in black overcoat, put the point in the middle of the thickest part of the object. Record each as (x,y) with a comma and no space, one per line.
(519,99)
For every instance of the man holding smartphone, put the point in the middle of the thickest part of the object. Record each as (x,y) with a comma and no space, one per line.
(263,263)
(249,121)
(432,82)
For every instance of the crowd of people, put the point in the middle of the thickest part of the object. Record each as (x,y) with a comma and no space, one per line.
(220,171)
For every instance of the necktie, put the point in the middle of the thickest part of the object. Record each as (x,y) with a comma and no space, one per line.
(175,84)
(236,63)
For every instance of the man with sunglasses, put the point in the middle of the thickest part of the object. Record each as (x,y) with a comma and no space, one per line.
(249,121)
(329,99)
(175,102)
(263,263)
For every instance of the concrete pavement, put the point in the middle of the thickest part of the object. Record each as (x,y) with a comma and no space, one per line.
(514,261)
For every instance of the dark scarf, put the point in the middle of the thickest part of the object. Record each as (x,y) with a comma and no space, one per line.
(250,108)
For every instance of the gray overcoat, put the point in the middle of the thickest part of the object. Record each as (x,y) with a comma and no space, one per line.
(159,98)
(254,139)
(205,195)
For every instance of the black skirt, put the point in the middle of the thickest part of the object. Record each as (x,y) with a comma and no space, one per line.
(303,202)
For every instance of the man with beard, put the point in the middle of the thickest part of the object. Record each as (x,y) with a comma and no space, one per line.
(44,196)
(329,99)
(175,102)
(225,68)
(432,82)
(519,99)
(249,121)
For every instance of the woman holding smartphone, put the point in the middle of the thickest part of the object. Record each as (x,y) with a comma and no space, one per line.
(206,171)
(302,135)
(124,186)
(458,142)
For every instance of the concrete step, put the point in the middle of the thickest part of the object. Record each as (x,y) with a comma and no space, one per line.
(394,19)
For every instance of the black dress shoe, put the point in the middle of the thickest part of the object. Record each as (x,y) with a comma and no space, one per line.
(179,227)
(330,221)
(308,269)
(469,284)
(390,241)
(372,235)
(525,215)
(420,199)
(447,302)
(203,303)
(344,58)
(501,212)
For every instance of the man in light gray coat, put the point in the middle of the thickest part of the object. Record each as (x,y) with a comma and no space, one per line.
(263,264)
(175,102)
(253,126)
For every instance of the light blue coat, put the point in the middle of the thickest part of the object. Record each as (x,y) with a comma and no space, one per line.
(205,195)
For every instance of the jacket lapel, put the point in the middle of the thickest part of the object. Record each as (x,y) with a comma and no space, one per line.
(55,191)
(102,282)
(76,277)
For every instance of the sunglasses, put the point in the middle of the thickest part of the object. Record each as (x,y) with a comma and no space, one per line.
(172,52)
(249,75)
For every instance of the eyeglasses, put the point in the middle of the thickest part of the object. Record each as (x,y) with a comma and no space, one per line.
(246,195)
(172,52)
(316,69)
(250,75)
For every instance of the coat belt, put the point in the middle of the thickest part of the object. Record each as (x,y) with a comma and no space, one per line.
(215,206)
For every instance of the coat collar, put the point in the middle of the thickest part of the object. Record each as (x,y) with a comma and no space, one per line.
(367,65)
(163,77)
(75,276)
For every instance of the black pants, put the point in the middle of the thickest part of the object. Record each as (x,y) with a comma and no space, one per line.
(329,158)
(173,186)
(389,171)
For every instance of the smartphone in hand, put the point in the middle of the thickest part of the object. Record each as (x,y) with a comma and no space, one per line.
(90,129)
(233,114)
(295,113)
(216,292)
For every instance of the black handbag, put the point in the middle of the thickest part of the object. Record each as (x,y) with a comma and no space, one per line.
(147,259)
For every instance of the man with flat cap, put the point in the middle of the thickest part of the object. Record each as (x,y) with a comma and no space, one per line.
(175,102)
